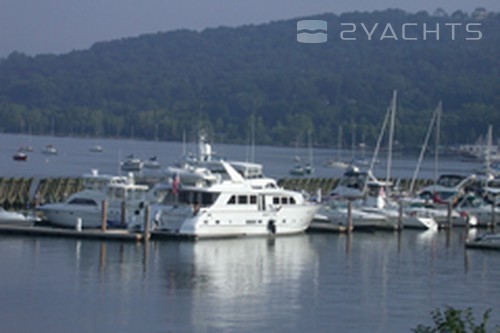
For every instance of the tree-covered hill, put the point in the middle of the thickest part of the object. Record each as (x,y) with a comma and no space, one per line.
(224,79)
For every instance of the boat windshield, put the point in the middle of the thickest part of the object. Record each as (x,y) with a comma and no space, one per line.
(202,198)
(354,180)
(450,180)
(473,202)
(82,202)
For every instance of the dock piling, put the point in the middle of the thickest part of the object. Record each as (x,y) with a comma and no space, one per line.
(104,216)
(146,231)
(349,216)
(78,226)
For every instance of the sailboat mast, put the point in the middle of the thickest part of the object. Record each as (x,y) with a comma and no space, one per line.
(391,135)
(438,135)
(379,140)
(422,151)
(487,156)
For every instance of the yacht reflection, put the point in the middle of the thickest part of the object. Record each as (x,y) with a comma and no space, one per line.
(231,268)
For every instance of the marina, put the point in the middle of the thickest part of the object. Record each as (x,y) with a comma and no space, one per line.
(383,279)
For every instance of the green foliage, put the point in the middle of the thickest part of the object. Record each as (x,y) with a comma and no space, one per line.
(160,85)
(455,321)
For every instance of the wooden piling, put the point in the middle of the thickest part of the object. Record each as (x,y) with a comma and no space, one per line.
(146,231)
(448,217)
(400,216)
(104,216)
(349,216)
(123,212)
(493,217)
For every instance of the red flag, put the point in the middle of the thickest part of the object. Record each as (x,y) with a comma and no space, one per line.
(438,200)
(175,184)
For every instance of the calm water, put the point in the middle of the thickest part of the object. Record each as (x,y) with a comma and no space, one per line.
(382,282)
(74,157)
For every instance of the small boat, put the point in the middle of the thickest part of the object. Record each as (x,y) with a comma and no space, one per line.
(20,156)
(488,241)
(96,149)
(131,163)
(14,218)
(297,170)
(49,150)
(152,163)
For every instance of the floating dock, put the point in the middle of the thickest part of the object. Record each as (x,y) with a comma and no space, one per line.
(326,227)
(96,234)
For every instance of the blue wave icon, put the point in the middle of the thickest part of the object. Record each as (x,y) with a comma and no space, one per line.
(312,31)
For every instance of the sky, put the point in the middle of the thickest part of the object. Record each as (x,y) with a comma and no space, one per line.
(60,26)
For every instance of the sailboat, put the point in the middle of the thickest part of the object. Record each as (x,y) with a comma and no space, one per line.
(337,162)
(308,168)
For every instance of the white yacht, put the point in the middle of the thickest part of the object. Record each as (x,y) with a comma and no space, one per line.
(371,207)
(15,218)
(87,204)
(132,164)
(49,150)
(475,209)
(233,207)
(152,163)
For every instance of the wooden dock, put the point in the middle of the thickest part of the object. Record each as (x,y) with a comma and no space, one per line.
(326,227)
(96,234)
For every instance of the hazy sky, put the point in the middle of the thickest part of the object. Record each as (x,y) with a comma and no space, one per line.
(59,26)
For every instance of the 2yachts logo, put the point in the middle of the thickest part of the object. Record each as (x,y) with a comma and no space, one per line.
(312,31)
(315,31)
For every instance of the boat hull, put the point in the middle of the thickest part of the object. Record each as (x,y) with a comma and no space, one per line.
(61,215)
(207,223)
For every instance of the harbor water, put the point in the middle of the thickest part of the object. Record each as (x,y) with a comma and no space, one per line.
(365,282)
(316,282)
(75,158)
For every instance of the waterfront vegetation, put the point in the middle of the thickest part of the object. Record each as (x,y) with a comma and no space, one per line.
(451,320)
(230,80)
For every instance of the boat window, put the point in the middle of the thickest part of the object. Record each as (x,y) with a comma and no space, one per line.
(450,180)
(207,198)
(276,200)
(232,200)
(82,201)
(242,199)
(253,199)
(284,201)
(292,201)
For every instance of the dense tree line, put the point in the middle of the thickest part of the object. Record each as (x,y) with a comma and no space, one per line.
(230,80)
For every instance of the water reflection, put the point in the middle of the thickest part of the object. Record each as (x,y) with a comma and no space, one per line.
(360,282)
(230,279)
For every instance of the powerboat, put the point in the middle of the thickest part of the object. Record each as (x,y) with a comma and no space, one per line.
(132,164)
(96,149)
(125,202)
(488,241)
(151,163)
(20,155)
(232,207)
(15,218)
(49,150)
(472,206)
